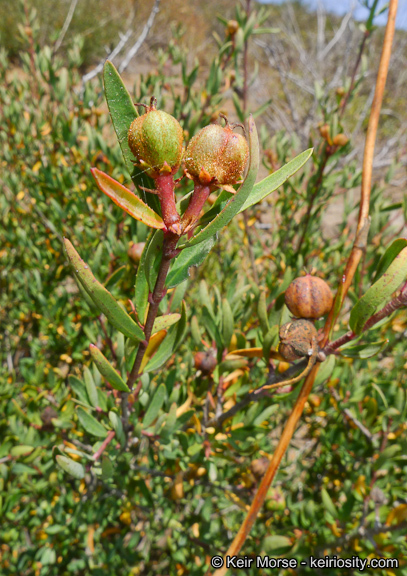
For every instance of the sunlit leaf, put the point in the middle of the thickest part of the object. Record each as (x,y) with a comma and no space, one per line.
(364,351)
(393,275)
(101,297)
(189,257)
(154,406)
(152,347)
(170,344)
(127,200)
(166,321)
(91,425)
(75,469)
(107,370)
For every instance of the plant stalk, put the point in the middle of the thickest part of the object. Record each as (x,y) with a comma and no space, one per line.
(169,252)
(298,408)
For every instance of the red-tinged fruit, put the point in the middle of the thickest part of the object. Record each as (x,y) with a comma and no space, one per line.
(156,140)
(309,297)
(217,155)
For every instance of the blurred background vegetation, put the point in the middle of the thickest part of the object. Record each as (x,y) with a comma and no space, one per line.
(179,494)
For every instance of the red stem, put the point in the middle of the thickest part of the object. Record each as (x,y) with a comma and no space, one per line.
(165,187)
(197,202)
(105,443)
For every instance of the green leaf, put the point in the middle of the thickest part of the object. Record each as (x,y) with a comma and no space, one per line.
(262,189)
(277,545)
(392,251)
(364,351)
(126,200)
(325,371)
(189,257)
(328,504)
(107,467)
(153,258)
(101,297)
(387,455)
(235,204)
(73,468)
(166,321)
(91,425)
(90,387)
(155,406)
(382,289)
(170,344)
(79,389)
(209,323)
(141,287)
(121,108)
(115,277)
(228,323)
(117,427)
(107,370)
(269,338)
(262,313)
(21,450)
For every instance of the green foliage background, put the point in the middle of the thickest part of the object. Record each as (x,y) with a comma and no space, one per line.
(179,494)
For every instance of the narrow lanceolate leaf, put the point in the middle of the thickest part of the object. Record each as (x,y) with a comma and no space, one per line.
(121,108)
(171,343)
(166,321)
(153,258)
(392,251)
(193,256)
(116,422)
(107,370)
(380,292)
(262,189)
(91,425)
(141,287)
(262,313)
(364,351)
(126,200)
(155,406)
(75,469)
(101,297)
(152,347)
(236,203)
(228,323)
(90,387)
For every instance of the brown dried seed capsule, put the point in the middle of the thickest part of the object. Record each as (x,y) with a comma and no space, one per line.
(205,362)
(297,339)
(309,297)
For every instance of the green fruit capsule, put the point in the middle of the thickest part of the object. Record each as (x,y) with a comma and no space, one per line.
(156,139)
(217,155)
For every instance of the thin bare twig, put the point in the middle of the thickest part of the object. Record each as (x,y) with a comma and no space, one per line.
(66,25)
(119,47)
(136,47)
(351,417)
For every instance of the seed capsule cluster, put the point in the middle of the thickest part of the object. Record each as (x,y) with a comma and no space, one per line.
(308,298)
(215,157)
